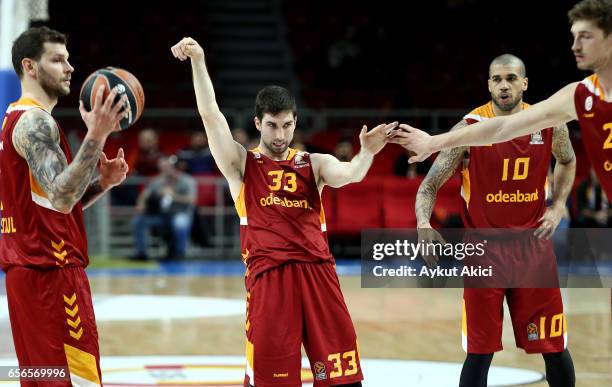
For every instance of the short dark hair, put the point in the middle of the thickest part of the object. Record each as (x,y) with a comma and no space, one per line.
(597,11)
(273,100)
(509,59)
(30,44)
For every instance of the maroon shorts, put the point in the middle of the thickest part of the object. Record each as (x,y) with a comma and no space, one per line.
(537,318)
(517,260)
(53,323)
(293,304)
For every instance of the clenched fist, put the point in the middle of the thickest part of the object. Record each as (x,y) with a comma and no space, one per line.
(187,48)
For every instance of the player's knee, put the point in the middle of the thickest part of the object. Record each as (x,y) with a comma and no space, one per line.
(560,369)
(556,356)
(479,359)
(475,370)
(181,221)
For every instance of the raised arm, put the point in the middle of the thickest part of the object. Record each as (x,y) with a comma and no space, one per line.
(330,171)
(36,138)
(228,154)
(552,112)
(563,180)
(442,169)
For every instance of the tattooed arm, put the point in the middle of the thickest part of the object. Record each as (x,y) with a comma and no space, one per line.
(442,169)
(36,138)
(93,192)
(565,169)
(563,180)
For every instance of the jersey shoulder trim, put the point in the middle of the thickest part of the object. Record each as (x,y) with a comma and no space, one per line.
(481,113)
(292,152)
(24,104)
(592,85)
(485,112)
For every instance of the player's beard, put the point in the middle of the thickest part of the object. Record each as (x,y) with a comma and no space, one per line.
(507,107)
(597,64)
(274,150)
(52,87)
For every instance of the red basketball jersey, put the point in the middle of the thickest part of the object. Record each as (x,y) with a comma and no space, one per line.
(281,216)
(504,185)
(33,233)
(595,117)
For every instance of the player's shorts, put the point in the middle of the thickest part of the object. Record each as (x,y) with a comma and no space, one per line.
(537,318)
(293,304)
(517,260)
(53,323)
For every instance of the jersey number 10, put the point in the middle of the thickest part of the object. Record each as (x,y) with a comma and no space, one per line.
(521,169)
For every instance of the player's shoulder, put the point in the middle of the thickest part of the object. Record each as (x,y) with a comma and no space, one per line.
(298,155)
(34,125)
(480,113)
(25,104)
(590,84)
(320,157)
(37,119)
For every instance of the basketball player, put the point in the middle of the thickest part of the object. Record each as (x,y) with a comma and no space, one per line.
(491,169)
(293,292)
(43,191)
(588,101)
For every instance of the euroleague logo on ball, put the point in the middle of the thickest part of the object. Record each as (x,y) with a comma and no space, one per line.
(126,106)
(124,83)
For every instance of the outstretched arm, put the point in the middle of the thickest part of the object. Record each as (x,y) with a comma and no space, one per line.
(442,169)
(228,154)
(36,138)
(330,171)
(554,111)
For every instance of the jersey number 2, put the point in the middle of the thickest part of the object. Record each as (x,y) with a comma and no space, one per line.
(608,143)
(277,181)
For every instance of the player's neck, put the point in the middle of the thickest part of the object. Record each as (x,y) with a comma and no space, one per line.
(37,93)
(516,109)
(274,156)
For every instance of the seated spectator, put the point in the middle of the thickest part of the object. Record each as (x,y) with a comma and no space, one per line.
(411,171)
(197,159)
(344,150)
(298,142)
(144,161)
(593,207)
(241,136)
(167,203)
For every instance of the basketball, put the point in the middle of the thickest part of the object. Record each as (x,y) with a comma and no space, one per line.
(125,83)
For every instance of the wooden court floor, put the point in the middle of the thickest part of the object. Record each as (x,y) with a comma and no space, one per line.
(416,324)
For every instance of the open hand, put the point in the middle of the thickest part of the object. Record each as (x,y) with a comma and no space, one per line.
(374,140)
(430,235)
(549,222)
(113,171)
(412,139)
(105,114)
